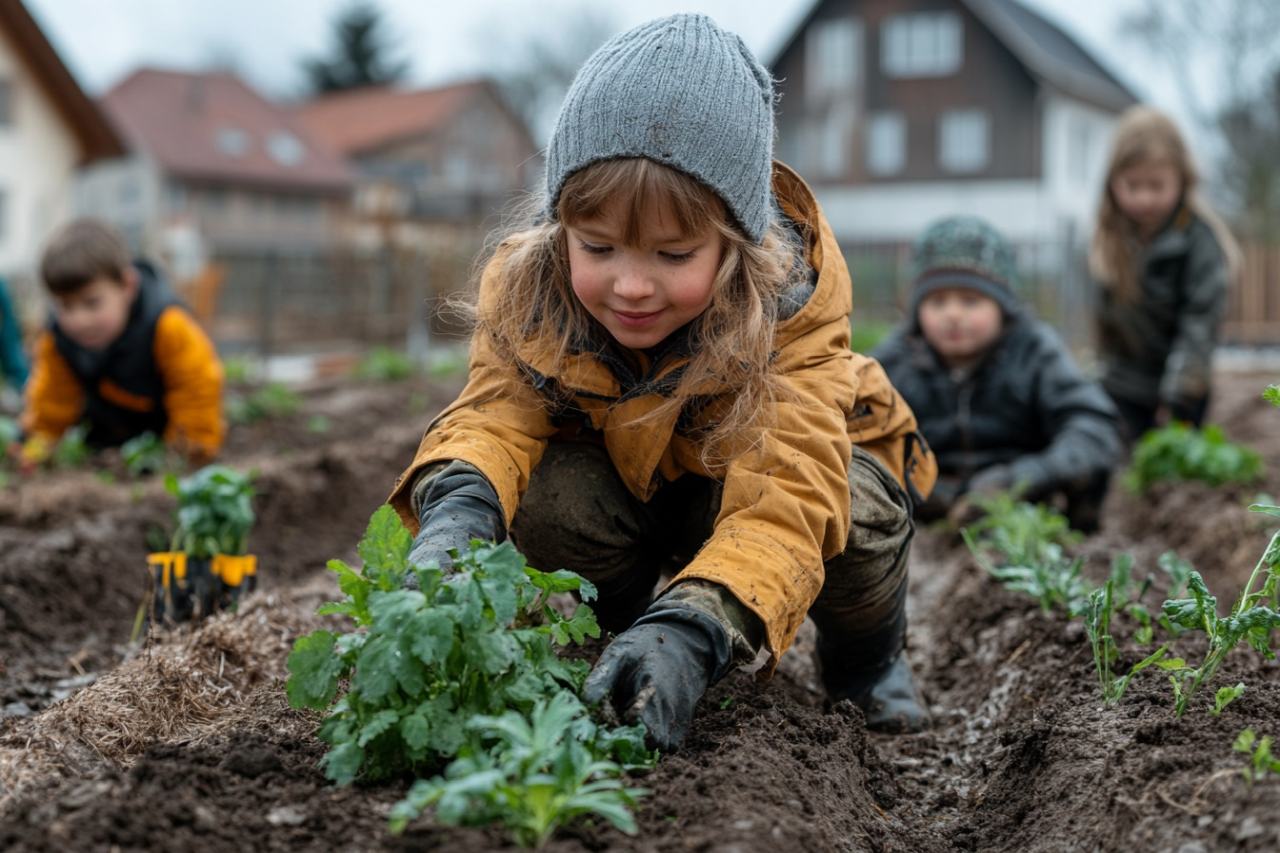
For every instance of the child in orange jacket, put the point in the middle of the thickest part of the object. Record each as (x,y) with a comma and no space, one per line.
(661,382)
(120,353)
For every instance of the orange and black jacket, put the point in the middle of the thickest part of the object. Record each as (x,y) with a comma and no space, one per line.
(162,375)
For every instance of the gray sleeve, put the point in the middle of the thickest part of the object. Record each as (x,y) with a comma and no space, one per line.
(1079,416)
(1187,370)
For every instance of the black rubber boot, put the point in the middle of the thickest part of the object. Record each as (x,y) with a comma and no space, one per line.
(873,672)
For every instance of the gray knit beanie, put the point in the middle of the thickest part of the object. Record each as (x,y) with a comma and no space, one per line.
(681,92)
(964,251)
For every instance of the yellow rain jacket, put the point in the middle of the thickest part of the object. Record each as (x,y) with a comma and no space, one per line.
(786,503)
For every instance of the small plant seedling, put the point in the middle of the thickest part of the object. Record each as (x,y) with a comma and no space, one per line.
(383,364)
(1261,761)
(271,401)
(144,454)
(319,424)
(1097,621)
(1181,452)
(72,449)
(1272,395)
(215,511)
(1225,696)
(1029,540)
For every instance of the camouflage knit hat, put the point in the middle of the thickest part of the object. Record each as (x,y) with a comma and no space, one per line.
(964,251)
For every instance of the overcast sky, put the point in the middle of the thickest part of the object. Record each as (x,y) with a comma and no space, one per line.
(265,39)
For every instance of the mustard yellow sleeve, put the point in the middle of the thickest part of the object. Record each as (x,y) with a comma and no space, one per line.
(192,374)
(54,397)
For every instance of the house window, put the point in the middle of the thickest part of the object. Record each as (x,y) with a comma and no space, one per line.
(964,141)
(6,102)
(886,144)
(832,141)
(286,149)
(833,57)
(233,141)
(921,45)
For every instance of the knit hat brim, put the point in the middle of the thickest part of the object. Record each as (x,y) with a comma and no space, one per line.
(936,280)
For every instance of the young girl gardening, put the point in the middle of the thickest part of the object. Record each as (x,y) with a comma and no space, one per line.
(1162,260)
(661,383)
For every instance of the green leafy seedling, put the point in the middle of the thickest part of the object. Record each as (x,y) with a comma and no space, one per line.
(144,454)
(1097,620)
(383,364)
(215,511)
(1261,761)
(1181,452)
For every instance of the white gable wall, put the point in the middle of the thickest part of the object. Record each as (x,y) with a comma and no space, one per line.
(38,155)
(1077,143)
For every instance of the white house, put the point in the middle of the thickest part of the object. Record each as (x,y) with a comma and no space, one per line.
(48,128)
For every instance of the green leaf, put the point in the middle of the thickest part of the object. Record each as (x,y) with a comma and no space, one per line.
(432,633)
(377,724)
(415,730)
(1272,395)
(375,669)
(390,611)
(314,670)
(342,763)
(1225,696)
(1268,509)
(385,549)
(576,628)
(1244,741)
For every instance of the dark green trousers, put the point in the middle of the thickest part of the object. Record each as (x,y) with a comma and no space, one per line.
(578,515)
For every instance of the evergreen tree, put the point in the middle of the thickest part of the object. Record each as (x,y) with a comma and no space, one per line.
(359,55)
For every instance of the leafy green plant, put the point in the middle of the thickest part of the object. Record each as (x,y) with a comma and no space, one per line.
(144,454)
(445,670)
(1181,452)
(72,449)
(1097,622)
(215,511)
(1250,620)
(238,369)
(270,401)
(1272,395)
(1029,540)
(1261,761)
(383,364)
(533,774)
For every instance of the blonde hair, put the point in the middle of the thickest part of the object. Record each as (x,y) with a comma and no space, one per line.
(731,342)
(1146,135)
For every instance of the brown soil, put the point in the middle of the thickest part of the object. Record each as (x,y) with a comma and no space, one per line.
(1022,755)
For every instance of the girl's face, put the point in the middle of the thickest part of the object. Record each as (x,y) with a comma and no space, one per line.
(642,293)
(959,323)
(1147,193)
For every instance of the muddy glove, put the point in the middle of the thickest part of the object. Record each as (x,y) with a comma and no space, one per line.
(658,669)
(455,505)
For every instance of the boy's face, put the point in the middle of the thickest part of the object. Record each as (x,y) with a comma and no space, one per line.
(1147,193)
(96,314)
(642,293)
(959,323)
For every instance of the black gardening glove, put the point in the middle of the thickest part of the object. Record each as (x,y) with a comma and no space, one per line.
(658,669)
(458,504)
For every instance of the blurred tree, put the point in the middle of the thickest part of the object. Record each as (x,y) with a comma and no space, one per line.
(1224,58)
(359,55)
(535,65)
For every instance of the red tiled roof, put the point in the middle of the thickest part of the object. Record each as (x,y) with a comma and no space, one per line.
(364,119)
(190,124)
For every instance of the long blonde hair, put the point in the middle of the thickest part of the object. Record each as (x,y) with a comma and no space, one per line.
(731,342)
(1146,135)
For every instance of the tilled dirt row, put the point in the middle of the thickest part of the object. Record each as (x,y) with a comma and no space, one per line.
(1022,755)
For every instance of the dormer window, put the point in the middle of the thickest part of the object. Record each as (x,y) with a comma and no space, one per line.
(285,148)
(926,44)
(233,141)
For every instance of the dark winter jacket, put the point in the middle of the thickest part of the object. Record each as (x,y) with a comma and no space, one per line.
(1158,349)
(1025,408)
